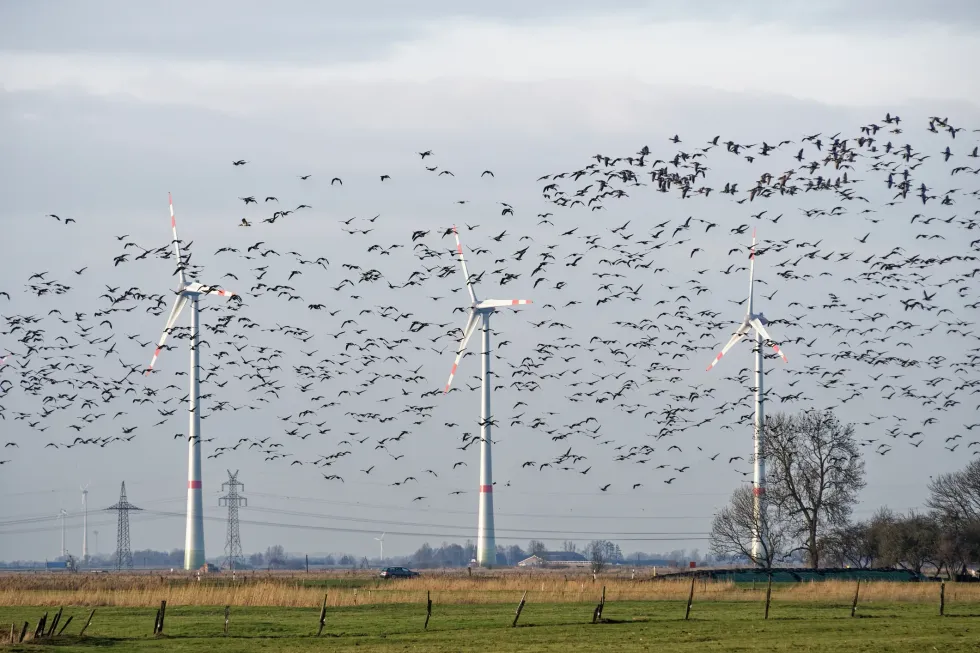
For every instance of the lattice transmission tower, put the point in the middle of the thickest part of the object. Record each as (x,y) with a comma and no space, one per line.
(234,558)
(124,554)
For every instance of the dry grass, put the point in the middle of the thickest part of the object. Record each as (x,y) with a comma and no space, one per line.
(349,588)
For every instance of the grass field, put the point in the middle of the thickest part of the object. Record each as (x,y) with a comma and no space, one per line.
(354,589)
(280,613)
(566,627)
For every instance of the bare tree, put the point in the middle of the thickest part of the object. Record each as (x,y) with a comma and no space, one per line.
(956,496)
(815,473)
(861,544)
(912,543)
(536,548)
(734,527)
(958,546)
(569,546)
(275,556)
(600,553)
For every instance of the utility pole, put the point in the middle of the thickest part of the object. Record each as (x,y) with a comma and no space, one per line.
(124,555)
(234,558)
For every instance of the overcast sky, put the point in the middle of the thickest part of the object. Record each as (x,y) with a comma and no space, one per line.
(107,106)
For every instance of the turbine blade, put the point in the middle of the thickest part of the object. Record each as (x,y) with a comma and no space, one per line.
(731,343)
(173,225)
(467,332)
(499,303)
(462,263)
(174,314)
(761,330)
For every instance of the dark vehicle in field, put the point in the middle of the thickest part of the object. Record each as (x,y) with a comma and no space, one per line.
(398,572)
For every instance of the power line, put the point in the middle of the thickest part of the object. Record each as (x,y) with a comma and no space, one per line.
(388,522)
(360,504)
(652,537)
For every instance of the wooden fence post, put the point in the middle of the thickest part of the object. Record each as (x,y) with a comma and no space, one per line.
(690,600)
(768,594)
(67,621)
(597,613)
(517,615)
(23,632)
(54,622)
(91,614)
(39,630)
(942,598)
(163,614)
(156,622)
(323,615)
(428,609)
(854,605)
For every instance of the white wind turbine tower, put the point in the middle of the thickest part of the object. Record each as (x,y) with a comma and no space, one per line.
(64,542)
(84,489)
(486,545)
(381,541)
(190,291)
(755,322)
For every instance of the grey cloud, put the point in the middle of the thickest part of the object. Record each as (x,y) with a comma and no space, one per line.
(311,31)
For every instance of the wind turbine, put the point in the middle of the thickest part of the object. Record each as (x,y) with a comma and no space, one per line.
(755,322)
(84,489)
(486,545)
(381,541)
(190,292)
(63,514)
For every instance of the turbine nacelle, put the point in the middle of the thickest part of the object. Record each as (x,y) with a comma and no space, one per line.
(194,289)
(490,305)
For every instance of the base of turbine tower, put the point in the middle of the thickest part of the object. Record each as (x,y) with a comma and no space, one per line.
(193,559)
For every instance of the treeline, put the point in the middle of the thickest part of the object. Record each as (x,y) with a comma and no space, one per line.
(917,542)
(815,472)
(597,552)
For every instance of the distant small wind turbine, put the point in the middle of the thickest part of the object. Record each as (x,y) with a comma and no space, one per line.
(381,541)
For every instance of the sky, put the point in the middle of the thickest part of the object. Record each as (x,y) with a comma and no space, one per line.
(107,107)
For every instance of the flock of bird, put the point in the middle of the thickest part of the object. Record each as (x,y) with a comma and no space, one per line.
(334,362)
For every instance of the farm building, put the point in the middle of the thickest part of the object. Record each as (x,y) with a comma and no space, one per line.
(555,559)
